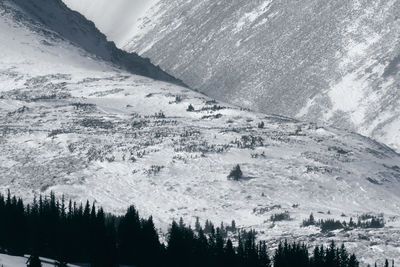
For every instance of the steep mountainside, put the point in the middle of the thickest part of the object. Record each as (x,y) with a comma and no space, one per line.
(74,27)
(332,61)
(81,126)
(120,20)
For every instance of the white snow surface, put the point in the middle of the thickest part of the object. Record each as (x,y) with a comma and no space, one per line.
(75,124)
(15,261)
(335,62)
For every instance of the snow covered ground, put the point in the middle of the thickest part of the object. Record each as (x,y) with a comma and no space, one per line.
(336,62)
(80,126)
(15,261)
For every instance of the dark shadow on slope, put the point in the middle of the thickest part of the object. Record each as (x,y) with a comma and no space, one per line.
(393,67)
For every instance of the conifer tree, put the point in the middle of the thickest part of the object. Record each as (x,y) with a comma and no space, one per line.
(151,251)
(219,247)
(190,108)
(230,255)
(128,237)
(233,226)
(264,259)
(353,262)
(236,174)
(343,256)
(34,261)
(197,225)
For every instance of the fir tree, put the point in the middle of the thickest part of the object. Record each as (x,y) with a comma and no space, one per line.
(353,262)
(190,108)
(197,225)
(34,261)
(236,174)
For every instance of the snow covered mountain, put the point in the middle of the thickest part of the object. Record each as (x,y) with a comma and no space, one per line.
(74,27)
(75,123)
(336,62)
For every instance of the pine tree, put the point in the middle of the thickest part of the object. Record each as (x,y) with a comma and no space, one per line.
(233,226)
(264,259)
(201,250)
(343,256)
(129,237)
(34,261)
(151,251)
(331,255)
(236,174)
(190,108)
(219,247)
(197,225)
(318,257)
(230,255)
(353,262)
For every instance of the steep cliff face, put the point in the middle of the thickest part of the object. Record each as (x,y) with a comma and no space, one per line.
(332,61)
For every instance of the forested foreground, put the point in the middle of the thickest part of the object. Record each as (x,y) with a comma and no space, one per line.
(71,232)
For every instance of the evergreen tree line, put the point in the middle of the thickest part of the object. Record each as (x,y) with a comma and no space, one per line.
(71,232)
(331,224)
(296,254)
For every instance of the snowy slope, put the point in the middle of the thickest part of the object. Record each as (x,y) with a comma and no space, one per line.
(14,261)
(75,28)
(78,125)
(328,61)
(118,19)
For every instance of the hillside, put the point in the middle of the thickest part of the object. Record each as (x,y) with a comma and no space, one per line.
(75,28)
(120,21)
(14,261)
(76,124)
(335,62)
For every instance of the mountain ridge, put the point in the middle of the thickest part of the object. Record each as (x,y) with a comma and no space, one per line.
(74,27)
(77,125)
(334,63)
